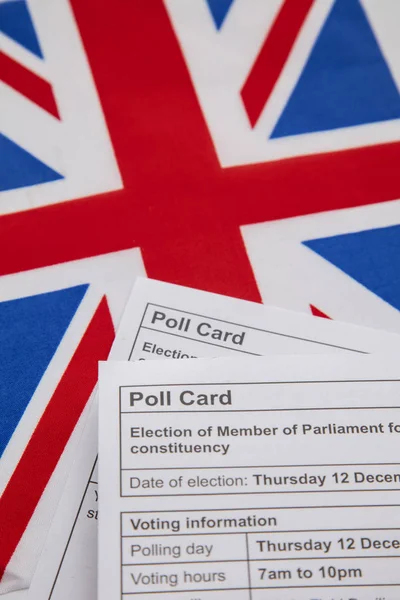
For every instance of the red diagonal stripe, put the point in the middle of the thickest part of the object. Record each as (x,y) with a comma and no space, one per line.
(317,312)
(52,433)
(28,84)
(273,56)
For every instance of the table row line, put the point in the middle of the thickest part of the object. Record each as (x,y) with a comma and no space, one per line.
(248,574)
(261,546)
(241,479)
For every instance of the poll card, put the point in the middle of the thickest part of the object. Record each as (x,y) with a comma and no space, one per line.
(250,478)
(168,321)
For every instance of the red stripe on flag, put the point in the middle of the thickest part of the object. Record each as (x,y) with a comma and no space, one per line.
(318,313)
(28,84)
(214,259)
(52,433)
(273,56)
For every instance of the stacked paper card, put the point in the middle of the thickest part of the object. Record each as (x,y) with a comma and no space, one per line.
(267,469)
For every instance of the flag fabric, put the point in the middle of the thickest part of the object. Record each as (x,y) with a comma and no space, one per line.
(240,146)
(346,262)
(55,323)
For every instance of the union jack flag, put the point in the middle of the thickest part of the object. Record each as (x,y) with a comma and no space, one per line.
(206,135)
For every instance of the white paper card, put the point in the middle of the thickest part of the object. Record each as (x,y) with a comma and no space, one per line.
(250,478)
(168,321)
